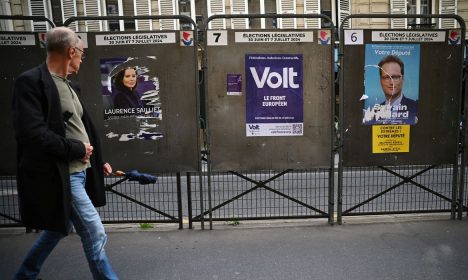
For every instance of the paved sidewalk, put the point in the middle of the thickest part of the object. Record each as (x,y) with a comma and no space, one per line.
(396,249)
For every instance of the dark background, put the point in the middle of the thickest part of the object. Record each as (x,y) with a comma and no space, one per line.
(231,149)
(433,140)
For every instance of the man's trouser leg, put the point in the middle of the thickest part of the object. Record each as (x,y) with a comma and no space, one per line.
(89,227)
(38,253)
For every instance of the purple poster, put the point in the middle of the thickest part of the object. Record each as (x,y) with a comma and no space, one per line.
(274,95)
(234,84)
(129,88)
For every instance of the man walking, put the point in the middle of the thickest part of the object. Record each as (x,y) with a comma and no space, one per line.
(60,170)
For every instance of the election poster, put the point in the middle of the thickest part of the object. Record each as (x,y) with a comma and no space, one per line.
(130,90)
(129,87)
(390,139)
(234,84)
(274,95)
(391,80)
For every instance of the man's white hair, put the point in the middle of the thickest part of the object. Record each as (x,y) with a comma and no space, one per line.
(60,39)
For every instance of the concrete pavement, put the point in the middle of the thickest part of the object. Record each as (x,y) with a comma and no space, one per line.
(361,248)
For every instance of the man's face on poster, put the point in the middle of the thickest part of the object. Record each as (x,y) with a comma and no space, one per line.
(391,80)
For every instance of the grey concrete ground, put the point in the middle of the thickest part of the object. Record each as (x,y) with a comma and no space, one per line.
(361,248)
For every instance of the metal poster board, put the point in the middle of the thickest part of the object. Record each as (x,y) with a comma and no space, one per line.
(269,99)
(19,51)
(401,96)
(141,89)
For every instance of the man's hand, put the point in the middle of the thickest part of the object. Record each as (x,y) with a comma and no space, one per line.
(89,152)
(107,169)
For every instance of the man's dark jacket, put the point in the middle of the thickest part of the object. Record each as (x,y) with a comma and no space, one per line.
(412,108)
(44,153)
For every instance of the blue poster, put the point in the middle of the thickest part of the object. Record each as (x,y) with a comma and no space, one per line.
(391,83)
(274,94)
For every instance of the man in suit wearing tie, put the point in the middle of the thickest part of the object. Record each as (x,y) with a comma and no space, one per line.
(400,109)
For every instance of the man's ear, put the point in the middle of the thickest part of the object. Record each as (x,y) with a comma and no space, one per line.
(71,52)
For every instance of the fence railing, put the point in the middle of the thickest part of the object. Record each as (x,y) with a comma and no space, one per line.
(287,194)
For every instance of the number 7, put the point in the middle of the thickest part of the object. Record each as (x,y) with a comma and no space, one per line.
(217,37)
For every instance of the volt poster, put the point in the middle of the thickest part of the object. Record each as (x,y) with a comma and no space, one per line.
(274,95)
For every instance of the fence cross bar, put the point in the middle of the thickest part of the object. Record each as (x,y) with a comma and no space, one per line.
(409,180)
(227,201)
(389,189)
(263,185)
(110,189)
(142,204)
(294,200)
(258,184)
(264,182)
(10,218)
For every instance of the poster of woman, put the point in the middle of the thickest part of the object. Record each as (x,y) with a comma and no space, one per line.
(131,98)
(391,80)
(130,88)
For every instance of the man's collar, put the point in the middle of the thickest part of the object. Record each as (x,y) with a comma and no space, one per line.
(394,102)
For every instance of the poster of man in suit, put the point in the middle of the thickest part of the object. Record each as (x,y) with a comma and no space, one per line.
(391,83)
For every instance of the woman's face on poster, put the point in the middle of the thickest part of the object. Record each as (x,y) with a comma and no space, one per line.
(129,78)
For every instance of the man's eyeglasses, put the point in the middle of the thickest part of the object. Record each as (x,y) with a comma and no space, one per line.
(388,78)
(83,54)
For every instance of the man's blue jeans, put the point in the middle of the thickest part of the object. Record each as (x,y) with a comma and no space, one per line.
(89,227)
